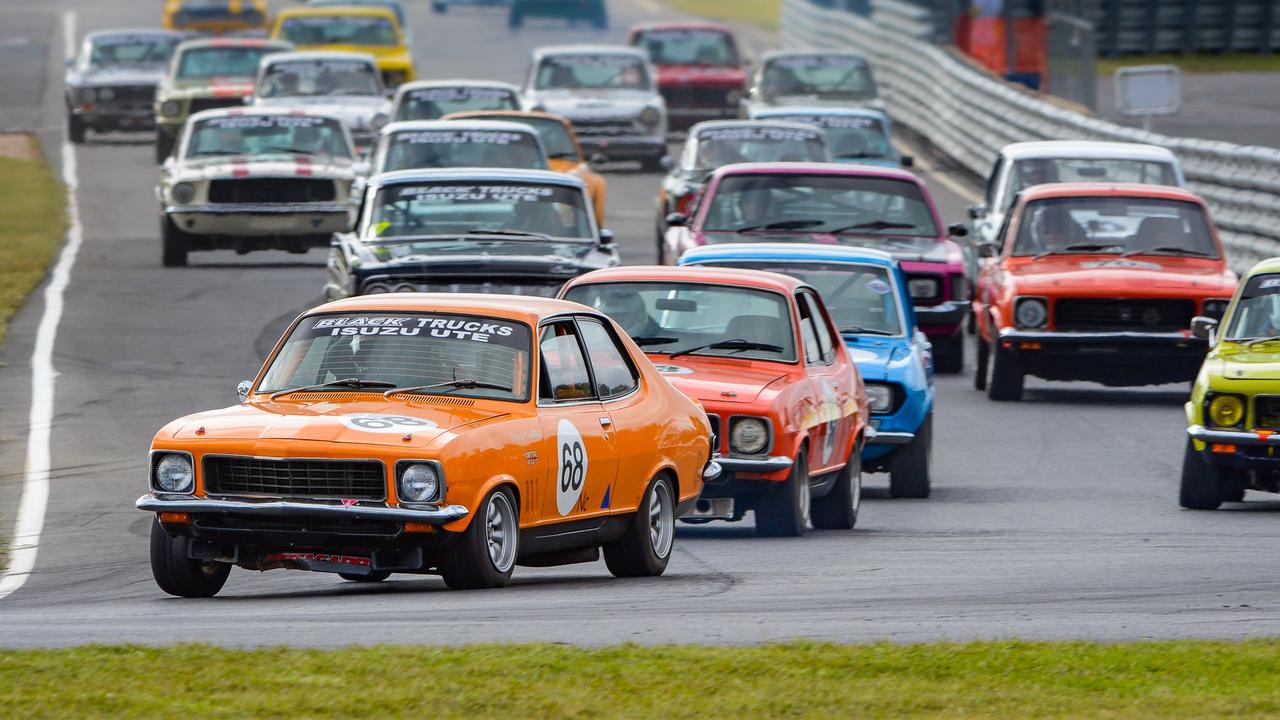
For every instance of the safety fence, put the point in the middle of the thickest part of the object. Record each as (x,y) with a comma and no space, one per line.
(968,115)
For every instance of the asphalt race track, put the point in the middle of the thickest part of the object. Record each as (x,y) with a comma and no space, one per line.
(1052,518)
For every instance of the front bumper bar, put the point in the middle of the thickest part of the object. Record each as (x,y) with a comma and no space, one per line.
(1233,437)
(429,514)
(948,312)
(754,465)
(880,437)
(1119,337)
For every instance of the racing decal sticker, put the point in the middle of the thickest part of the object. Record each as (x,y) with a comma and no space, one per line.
(878,286)
(832,407)
(375,423)
(262,122)
(571,466)
(804,62)
(446,327)
(1122,264)
(759,134)
(674,370)
(462,137)
(482,193)
(309,68)
(1269,283)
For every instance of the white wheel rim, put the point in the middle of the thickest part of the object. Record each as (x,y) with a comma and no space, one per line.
(662,524)
(501,532)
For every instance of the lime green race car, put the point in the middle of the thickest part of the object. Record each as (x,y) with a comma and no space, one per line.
(1234,410)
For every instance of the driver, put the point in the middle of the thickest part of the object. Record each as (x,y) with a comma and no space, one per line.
(285,84)
(717,154)
(754,207)
(1056,229)
(1036,172)
(626,307)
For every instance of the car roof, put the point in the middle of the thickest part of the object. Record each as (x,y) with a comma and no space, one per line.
(590,50)
(318,55)
(680,25)
(260,110)
(249,42)
(772,112)
(790,252)
(718,276)
(774,54)
(325,10)
(1269,265)
(136,31)
(1048,149)
(481,114)
(512,307)
(757,123)
(1081,189)
(815,168)
(475,174)
(463,124)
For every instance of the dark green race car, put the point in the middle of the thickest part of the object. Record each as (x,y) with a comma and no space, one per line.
(592,11)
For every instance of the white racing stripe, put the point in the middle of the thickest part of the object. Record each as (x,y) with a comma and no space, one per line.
(35,486)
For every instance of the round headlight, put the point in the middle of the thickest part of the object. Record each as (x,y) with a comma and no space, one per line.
(106,94)
(379,121)
(650,116)
(418,483)
(1226,411)
(377,289)
(923,287)
(184,193)
(171,108)
(879,397)
(748,436)
(173,474)
(1030,313)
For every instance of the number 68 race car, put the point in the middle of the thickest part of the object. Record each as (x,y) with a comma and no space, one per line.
(453,434)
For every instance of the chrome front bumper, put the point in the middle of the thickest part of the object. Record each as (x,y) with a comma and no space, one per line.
(755,465)
(429,514)
(1101,338)
(879,437)
(1233,437)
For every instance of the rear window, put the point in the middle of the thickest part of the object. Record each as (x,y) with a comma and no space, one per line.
(339,30)
(460,148)
(688,47)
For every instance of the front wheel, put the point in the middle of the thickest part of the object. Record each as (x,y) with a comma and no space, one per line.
(786,513)
(645,549)
(75,129)
(948,355)
(983,364)
(1007,378)
(909,465)
(176,573)
(838,509)
(652,164)
(174,242)
(484,555)
(164,146)
(1201,487)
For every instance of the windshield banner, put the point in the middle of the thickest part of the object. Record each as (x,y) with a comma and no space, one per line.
(448,327)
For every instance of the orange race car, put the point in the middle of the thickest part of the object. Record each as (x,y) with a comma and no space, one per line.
(1094,281)
(760,352)
(564,154)
(457,434)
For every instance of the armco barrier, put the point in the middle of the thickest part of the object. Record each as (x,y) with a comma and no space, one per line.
(969,115)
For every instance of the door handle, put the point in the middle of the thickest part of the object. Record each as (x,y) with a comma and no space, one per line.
(605,422)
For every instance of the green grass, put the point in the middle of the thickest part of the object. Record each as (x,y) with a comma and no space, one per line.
(800,680)
(1233,62)
(32,224)
(764,13)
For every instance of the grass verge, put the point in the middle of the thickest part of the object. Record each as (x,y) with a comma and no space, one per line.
(33,221)
(1231,62)
(765,13)
(798,680)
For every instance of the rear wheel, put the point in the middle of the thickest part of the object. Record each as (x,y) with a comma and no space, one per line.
(909,465)
(786,513)
(948,355)
(1007,378)
(652,164)
(75,129)
(484,555)
(645,549)
(1201,487)
(838,509)
(176,573)
(373,577)
(174,242)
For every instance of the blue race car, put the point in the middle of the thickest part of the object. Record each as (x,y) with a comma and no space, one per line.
(866,294)
(856,135)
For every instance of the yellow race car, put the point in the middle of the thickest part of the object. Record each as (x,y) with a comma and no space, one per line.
(366,29)
(216,16)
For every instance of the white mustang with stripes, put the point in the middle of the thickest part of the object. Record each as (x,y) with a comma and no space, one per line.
(255,179)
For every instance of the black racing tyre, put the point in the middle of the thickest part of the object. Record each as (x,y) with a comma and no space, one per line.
(652,164)
(179,575)
(982,366)
(838,509)
(1232,489)
(645,548)
(164,146)
(75,129)
(661,244)
(909,465)
(948,355)
(174,241)
(373,577)
(786,513)
(484,555)
(1201,487)
(1007,378)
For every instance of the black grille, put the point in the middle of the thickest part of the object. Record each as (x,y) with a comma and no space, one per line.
(696,97)
(271,190)
(1137,315)
(212,103)
(603,128)
(339,479)
(1266,412)
(128,94)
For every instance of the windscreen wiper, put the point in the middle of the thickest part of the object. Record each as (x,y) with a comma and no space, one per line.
(1259,341)
(511,233)
(294,151)
(344,382)
(782,225)
(874,225)
(1166,249)
(459,384)
(856,330)
(1078,247)
(643,340)
(736,344)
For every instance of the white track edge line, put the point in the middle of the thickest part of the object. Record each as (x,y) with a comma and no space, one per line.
(35,486)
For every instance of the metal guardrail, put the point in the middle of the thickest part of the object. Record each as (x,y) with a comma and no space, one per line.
(969,115)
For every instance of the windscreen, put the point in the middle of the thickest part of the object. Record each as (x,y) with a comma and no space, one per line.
(689,47)
(844,205)
(859,298)
(851,137)
(479,208)
(1119,225)
(827,76)
(414,149)
(319,78)
(364,30)
(1257,313)
(216,62)
(1041,171)
(696,318)
(267,134)
(403,350)
(602,71)
(109,50)
(434,103)
(722,146)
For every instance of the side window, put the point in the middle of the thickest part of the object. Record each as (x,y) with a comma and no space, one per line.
(825,344)
(991,184)
(611,369)
(1002,235)
(564,375)
(808,333)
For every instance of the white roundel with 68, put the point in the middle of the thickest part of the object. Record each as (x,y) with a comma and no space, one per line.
(571,463)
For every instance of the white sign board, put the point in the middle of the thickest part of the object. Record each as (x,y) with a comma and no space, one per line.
(1147,90)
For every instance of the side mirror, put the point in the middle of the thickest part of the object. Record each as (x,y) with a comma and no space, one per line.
(958,230)
(666,163)
(977,211)
(907,161)
(242,390)
(598,158)
(606,236)
(1203,327)
(676,219)
(987,250)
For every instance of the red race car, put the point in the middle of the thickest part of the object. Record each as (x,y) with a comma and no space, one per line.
(760,353)
(701,74)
